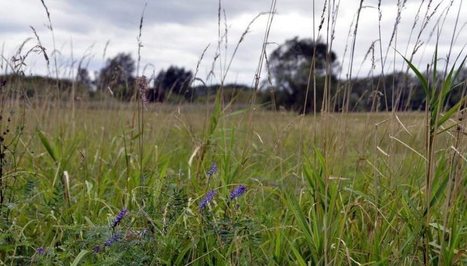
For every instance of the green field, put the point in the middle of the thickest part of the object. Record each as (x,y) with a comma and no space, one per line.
(106,159)
(341,189)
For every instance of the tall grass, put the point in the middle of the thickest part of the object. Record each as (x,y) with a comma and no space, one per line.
(214,184)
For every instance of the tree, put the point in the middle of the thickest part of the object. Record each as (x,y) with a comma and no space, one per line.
(290,65)
(117,75)
(83,78)
(174,80)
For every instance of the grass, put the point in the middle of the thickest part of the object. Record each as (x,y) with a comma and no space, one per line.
(109,183)
(349,200)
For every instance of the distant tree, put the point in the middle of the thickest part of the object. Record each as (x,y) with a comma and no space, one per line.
(380,93)
(290,65)
(117,75)
(83,78)
(155,94)
(174,80)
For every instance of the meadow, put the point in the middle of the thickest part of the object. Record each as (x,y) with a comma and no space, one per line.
(96,180)
(88,186)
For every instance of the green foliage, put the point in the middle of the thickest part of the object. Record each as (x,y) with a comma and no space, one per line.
(437,172)
(294,66)
(174,80)
(304,203)
(117,75)
(39,87)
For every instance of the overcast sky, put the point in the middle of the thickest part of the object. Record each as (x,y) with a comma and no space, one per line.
(175,32)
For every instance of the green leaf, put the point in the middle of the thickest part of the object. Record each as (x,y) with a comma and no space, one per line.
(445,89)
(459,68)
(238,112)
(298,256)
(446,129)
(181,254)
(421,78)
(278,244)
(450,113)
(439,192)
(79,257)
(48,146)
(435,62)
(214,120)
(301,219)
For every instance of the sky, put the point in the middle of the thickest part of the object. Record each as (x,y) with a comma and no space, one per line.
(176,32)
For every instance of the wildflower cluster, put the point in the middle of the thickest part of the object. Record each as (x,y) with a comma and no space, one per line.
(238,191)
(115,236)
(209,196)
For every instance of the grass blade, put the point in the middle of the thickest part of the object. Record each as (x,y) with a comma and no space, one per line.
(79,257)
(51,150)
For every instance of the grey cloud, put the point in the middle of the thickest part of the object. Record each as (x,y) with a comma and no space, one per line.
(177,31)
(12,28)
(125,13)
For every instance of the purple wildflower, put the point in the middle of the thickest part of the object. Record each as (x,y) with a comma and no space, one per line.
(119,217)
(41,251)
(208,198)
(96,249)
(237,192)
(114,238)
(212,170)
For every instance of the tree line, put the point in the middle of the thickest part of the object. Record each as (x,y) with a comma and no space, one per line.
(302,76)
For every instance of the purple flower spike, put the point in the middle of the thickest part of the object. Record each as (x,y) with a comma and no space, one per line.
(119,217)
(208,198)
(212,170)
(41,251)
(237,192)
(114,238)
